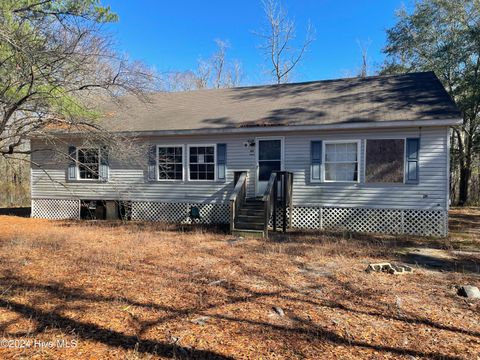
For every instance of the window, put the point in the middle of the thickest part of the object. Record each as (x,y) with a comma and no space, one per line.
(341,161)
(88,163)
(384,161)
(202,162)
(170,163)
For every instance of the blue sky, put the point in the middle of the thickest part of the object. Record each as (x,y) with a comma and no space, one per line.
(173,35)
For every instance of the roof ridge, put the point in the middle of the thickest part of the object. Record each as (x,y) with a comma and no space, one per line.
(370,77)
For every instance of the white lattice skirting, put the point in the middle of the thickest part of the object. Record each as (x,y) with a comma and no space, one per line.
(55,209)
(369,220)
(392,221)
(179,212)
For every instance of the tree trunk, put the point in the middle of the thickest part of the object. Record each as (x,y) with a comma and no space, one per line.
(465,174)
(465,165)
(465,171)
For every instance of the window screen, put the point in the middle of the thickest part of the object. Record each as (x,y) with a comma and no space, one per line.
(384,161)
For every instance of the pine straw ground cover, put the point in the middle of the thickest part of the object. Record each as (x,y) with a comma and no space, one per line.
(141,291)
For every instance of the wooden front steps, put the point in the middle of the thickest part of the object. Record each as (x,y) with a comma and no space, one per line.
(249,233)
(250,220)
(250,216)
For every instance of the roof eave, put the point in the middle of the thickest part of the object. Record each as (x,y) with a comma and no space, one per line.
(300,128)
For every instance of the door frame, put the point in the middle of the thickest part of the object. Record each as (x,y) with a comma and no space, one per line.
(257,150)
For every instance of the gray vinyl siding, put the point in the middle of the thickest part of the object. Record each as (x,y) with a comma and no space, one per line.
(128,180)
(430,193)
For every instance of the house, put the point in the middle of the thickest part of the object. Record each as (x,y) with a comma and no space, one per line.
(363,154)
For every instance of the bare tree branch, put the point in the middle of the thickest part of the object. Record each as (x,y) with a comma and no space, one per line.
(55,62)
(364,46)
(278,41)
(215,72)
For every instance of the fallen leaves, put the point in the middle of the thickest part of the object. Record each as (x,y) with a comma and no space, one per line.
(146,291)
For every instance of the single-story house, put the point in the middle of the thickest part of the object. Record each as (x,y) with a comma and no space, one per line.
(363,154)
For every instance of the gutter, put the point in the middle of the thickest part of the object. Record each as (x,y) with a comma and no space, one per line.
(282,129)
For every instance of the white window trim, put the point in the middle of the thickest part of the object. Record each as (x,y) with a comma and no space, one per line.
(158,161)
(345,141)
(78,163)
(214,162)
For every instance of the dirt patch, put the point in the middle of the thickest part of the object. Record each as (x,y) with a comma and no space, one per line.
(140,291)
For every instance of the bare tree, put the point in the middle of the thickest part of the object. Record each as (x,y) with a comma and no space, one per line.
(181,81)
(278,41)
(218,63)
(234,75)
(364,46)
(216,72)
(202,74)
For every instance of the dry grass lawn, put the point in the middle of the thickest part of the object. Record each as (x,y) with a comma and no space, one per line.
(141,291)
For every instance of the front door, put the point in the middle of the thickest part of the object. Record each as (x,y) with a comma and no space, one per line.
(269,158)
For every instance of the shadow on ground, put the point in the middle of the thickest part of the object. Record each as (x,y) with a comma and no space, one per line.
(442,260)
(16,211)
(299,326)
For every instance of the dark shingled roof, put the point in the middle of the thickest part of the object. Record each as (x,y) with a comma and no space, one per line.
(414,96)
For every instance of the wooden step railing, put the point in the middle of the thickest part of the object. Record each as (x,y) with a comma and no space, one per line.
(272,200)
(237,199)
(269,200)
